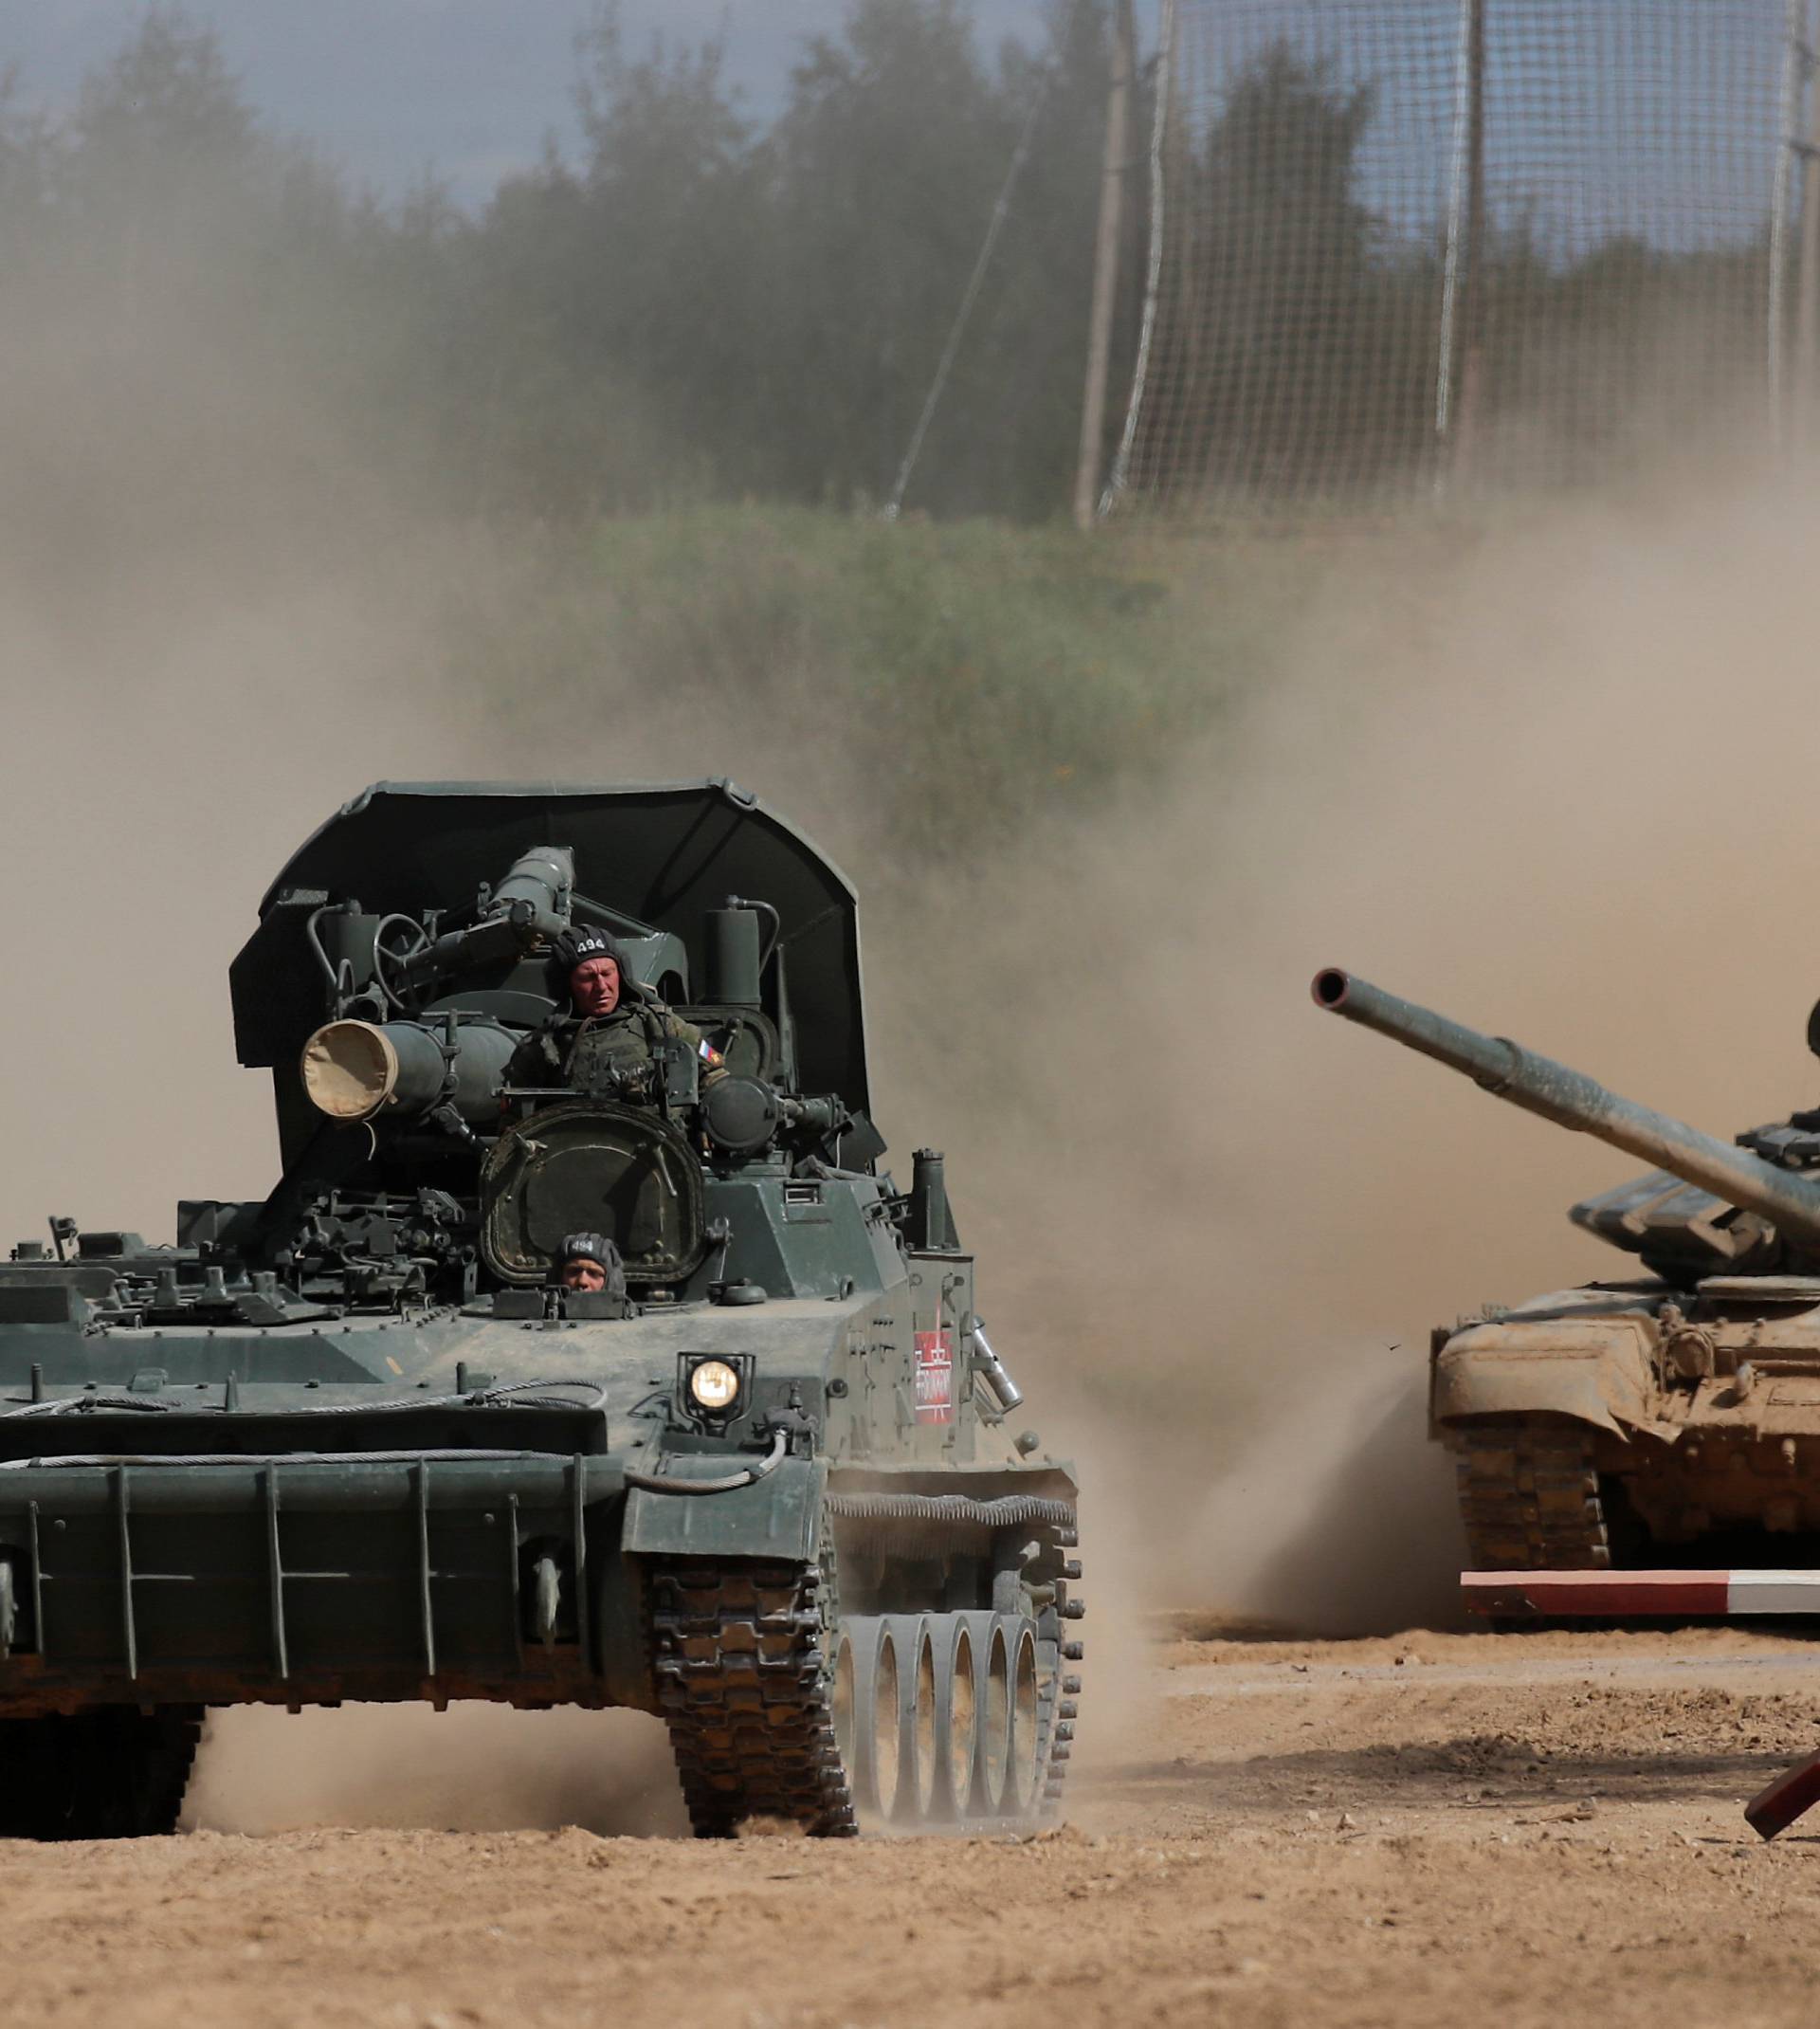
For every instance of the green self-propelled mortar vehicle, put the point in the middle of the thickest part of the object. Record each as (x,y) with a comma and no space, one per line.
(350,1442)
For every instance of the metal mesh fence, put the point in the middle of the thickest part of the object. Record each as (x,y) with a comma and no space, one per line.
(1408,245)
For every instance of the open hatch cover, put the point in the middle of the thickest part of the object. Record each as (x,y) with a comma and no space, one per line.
(589,1167)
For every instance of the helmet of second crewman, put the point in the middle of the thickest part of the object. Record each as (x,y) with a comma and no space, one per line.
(582,1261)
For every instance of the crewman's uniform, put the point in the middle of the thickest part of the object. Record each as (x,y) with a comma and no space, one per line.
(612,1057)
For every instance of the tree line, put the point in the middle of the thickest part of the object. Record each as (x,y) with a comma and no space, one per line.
(691,302)
(199,313)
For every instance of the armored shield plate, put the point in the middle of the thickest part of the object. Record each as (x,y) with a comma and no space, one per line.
(589,1167)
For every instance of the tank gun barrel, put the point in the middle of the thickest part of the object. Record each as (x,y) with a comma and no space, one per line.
(529,907)
(545,877)
(1571,1099)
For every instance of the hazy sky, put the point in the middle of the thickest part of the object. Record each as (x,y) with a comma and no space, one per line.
(468,87)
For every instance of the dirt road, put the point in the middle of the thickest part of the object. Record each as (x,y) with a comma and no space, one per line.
(1420,1830)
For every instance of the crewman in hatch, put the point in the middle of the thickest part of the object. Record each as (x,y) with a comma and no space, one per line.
(588,1262)
(614,1040)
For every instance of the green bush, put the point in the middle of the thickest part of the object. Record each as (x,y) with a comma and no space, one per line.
(971,675)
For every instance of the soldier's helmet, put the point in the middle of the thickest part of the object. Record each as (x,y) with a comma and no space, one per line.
(593,1247)
(575,947)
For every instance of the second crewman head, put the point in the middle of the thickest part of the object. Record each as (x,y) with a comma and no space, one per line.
(582,1262)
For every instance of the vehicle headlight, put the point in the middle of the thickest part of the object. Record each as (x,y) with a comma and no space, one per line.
(714,1386)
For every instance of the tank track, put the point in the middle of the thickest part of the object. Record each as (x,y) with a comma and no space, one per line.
(115,1772)
(1060,1693)
(740,1659)
(742,1683)
(1530,1499)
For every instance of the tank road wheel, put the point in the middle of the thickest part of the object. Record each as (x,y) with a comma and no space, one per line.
(877,1736)
(960,1717)
(1018,1714)
(112,1773)
(895,1692)
(956,1747)
(1023,1763)
(1529,1496)
(912,1639)
(994,1719)
(844,1700)
(740,1658)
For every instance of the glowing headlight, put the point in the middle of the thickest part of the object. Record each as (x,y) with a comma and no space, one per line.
(713,1385)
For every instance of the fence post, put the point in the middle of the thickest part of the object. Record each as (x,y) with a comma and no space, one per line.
(1105,265)
(1445,336)
(1790,100)
(1472,309)
(1806,294)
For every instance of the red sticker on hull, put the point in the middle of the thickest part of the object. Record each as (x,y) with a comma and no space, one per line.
(934,1376)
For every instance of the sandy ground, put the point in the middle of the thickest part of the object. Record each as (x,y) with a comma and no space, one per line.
(1524,1829)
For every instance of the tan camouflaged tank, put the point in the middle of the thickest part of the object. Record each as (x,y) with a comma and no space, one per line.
(1671,1418)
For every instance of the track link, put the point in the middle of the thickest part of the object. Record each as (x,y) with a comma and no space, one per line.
(1060,1686)
(1530,1499)
(742,1677)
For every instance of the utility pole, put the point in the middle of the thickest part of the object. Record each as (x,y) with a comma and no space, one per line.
(1105,262)
(1807,296)
(1473,294)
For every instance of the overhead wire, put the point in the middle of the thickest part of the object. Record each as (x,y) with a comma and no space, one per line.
(994,227)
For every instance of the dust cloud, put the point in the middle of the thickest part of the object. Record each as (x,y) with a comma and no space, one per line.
(471,1768)
(1550,780)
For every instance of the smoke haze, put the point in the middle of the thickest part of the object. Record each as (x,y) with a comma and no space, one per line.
(1511,778)
(471,1768)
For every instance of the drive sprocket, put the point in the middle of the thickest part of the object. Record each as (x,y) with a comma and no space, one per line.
(740,1660)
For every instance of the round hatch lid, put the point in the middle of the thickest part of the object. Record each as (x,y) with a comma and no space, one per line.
(590,1167)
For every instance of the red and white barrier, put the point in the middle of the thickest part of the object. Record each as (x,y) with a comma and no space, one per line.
(1657,1595)
(1665,1595)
